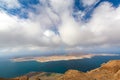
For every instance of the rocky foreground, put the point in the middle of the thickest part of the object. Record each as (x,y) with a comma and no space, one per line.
(107,71)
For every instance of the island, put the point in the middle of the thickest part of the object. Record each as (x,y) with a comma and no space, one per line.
(59,57)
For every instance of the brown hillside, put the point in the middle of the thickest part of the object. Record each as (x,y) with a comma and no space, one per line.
(107,71)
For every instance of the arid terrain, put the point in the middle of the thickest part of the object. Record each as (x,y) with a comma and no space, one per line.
(59,57)
(107,71)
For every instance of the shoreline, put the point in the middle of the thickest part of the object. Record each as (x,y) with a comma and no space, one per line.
(43,59)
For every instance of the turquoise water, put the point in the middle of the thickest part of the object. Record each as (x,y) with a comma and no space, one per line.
(10,69)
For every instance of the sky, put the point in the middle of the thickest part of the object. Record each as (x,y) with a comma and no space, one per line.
(59,26)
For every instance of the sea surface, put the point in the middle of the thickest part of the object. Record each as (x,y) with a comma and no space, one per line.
(9,69)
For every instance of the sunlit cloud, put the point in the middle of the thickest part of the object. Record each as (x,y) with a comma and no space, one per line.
(51,25)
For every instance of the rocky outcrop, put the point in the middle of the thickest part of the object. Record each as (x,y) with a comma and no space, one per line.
(112,66)
(117,75)
(75,75)
(107,71)
(24,78)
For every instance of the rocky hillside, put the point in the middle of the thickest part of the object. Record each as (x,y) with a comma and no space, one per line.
(107,71)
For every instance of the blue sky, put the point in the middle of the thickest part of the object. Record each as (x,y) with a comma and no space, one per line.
(28,4)
(66,25)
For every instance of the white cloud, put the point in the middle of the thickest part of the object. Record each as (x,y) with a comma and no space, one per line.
(102,29)
(105,23)
(69,30)
(61,5)
(9,3)
(88,2)
(32,32)
(37,31)
(19,32)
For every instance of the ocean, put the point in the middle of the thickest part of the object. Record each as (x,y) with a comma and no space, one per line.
(9,69)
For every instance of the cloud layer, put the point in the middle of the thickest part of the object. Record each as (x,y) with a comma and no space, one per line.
(9,3)
(53,26)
